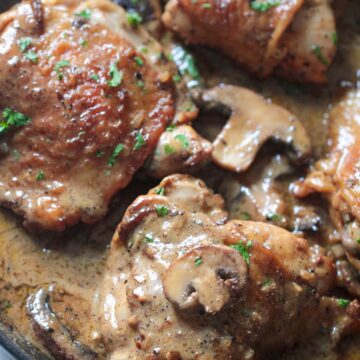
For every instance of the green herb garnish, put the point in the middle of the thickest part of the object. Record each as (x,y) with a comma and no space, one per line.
(198,261)
(95,77)
(60,65)
(99,153)
(24,44)
(243,249)
(316,50)
(169,149)
(139,61)
(84,43)
(171,128)
(206,6)
(40,176)
(112,159)
(161,210)
(160,191)
(245,216)
(274,217)
(140,141)
(116,75)
(183,140)
(149,238)
(12,118)
(134,18)
(334,38)
(85,14)
(264,6)
(344,303)
(31,55)
(176,78)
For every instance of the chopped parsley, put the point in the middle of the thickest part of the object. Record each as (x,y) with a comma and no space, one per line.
(59,66)
(12,118)
(274,217)
(171,128)
(206,6)
(183,140)
(344,303)
(316,50)
(245,216)
(134,18)
(139,61)
(140,84)
(264,6)
(24,44)
(85,14)
(116,75)
(95,77)
(243,250)
(112,159)
(140,141)
(99,153)
(149,238)
(186,65)
(84,43)
(160,191)
(176,78)
(334,38)
(40,176)
(169,149)
(162,210)
(358,241)
(198,261)
(32,56)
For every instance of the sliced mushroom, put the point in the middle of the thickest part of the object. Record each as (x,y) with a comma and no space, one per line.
(208,276)
(54,336)
(252,122)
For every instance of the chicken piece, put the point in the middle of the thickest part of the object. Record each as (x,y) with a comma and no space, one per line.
(292,37)
(81,109)
(180,149)
(183,282)
(337,177)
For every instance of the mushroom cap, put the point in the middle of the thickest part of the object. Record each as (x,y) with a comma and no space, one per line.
(252,122)
(208,276)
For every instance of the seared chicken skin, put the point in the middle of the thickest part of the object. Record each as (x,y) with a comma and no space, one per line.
(337,177)
(183,282)
(82,109)
(293,38)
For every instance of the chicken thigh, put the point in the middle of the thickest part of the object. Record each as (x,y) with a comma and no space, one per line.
(183,282)
(293,38)
(337,177)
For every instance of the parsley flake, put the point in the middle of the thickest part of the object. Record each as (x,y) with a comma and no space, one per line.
(171,128)
(40,176)
(118,149)
(243,249)
(116,75)
(169,149)
(31,55)
(134,18)
(95,77)
(140,141)
(206,6)
(85,14)
(139,61)
(160,191)
(198,261)
(344,303)
(162,210)
(24,44)
(99,153)
(334,38)
(245,216)
(84,43)
(264,6)
(59,66)
(149,238)
(316,50)
(183,140)
(12,118)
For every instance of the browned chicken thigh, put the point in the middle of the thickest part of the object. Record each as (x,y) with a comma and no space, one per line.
(294,38)
(183,282)
(337,177)
(81,108)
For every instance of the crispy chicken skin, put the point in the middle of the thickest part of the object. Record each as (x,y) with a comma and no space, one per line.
(292,38)
(337,176)
(96,110)
(183,282)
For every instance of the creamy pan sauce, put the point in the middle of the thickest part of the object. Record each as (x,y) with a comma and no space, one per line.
(74,262)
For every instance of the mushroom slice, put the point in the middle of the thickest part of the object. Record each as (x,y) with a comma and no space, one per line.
(54,336)
(208,276)
(253,121)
